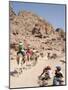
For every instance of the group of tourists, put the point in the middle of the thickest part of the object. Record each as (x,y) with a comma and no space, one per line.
(47,74)
(25,52)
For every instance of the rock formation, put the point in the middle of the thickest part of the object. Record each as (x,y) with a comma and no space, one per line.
(37,32)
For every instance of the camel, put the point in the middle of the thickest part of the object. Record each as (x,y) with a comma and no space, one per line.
(20,62)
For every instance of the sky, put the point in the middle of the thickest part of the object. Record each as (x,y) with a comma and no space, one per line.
(53,13)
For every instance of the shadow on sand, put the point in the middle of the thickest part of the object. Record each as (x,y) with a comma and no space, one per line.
(12,73)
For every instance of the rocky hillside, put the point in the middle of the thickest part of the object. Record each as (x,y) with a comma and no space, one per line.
(36,32)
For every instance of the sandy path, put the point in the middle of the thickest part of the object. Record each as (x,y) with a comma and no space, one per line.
(29,77)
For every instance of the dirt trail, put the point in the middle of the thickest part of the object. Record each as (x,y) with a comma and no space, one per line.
(29,77)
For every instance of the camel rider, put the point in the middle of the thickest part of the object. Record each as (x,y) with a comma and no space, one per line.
(21,49)
(29,53)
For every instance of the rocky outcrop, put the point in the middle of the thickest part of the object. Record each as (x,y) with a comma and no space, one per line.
(37,32)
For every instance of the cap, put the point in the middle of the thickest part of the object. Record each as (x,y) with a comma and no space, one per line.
(58,67)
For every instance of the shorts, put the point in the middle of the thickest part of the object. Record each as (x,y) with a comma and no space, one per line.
(22,52)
